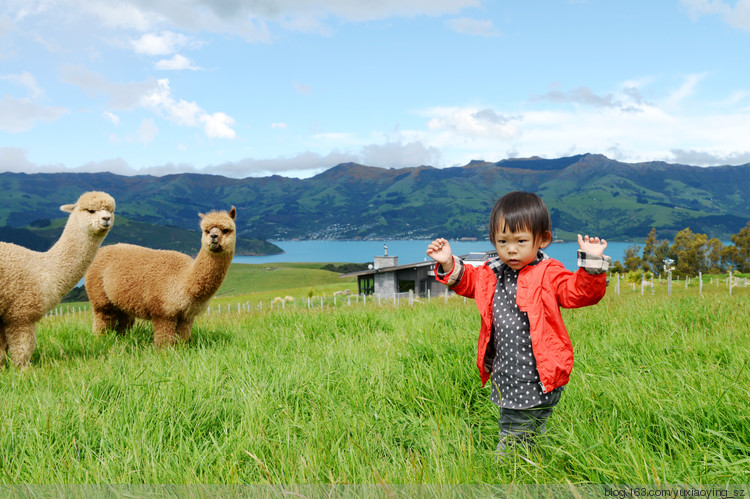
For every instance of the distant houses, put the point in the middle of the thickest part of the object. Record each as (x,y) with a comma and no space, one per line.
(387,278)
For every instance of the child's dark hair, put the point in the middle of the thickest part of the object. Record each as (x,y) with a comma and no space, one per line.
(520,210)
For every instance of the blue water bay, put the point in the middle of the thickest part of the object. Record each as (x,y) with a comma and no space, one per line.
(407,251)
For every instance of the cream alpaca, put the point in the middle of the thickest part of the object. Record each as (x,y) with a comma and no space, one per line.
(166,287)
(31,283)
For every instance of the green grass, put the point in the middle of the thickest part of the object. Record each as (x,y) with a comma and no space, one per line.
(265,281)
(381,394)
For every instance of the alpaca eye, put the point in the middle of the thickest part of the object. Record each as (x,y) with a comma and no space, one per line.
(90,211)
(225,231)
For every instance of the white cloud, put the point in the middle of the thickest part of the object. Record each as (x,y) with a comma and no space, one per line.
(26,80)
(186,113)
(218,125)
(476,27)
(701,7)
(13,159)
(112,14)
(685,90)
(580,95)
(736,98)
(20,114)
(471,122)
(662,131)
(163,44)
(282,126)
(178,62)
(737,15)
(364,10)
(708,158)
(400,155)
(180,111)
(6,25)
(112,117)
(122,96)
(302,165)
(247,19)
(155,96)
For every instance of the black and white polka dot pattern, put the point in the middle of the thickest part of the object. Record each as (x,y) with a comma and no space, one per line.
(515,380)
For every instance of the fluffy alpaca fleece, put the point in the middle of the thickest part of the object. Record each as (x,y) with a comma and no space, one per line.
(31,283)
(166,287)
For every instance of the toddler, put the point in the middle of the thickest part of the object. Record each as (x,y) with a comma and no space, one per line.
(523,344)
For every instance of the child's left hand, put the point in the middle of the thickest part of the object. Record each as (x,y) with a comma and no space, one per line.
(592,245)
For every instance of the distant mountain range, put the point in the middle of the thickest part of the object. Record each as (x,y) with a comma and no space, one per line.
(585,193)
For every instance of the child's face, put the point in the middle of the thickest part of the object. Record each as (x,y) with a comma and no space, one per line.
(518,249)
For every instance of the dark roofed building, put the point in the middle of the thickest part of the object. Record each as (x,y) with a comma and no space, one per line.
(387,277)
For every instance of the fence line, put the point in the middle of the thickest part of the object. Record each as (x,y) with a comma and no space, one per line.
(409,298)
(731,282)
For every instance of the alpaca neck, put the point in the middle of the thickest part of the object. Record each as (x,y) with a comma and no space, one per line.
(207,274)
(66,262)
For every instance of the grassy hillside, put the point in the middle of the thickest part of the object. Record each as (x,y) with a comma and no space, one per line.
(585,193)
(44,234)
(266,281)
(381,394)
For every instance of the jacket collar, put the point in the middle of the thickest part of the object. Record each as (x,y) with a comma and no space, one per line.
(499,267)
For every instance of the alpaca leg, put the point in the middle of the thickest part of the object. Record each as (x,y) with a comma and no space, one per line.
(184,329)
(164,331)
(110,318)
(101,322)
(21,340)
(123,322)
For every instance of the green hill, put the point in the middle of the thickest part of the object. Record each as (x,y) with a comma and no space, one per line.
(42,234)
(585,193)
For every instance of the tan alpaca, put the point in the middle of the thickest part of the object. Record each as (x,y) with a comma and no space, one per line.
(32,283)
(166,287)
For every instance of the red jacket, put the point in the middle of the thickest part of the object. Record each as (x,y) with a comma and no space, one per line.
(542,289)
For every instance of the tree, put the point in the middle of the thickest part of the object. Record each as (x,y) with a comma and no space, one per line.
(661,253)
(617,268)
(655,252)
(715,256)
(738,254)
(648,251)
(690,252)
(632,258)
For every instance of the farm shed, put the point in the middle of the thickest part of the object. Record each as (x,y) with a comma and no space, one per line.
(387,277)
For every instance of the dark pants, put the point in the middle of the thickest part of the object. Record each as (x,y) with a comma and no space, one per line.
(522,426)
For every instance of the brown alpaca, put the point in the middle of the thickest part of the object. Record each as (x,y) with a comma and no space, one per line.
(32,283)
(166,287)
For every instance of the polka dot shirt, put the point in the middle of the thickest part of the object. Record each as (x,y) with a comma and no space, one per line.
(515,380)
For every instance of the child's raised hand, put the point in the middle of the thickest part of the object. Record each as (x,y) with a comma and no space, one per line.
(592,245)
(440,251)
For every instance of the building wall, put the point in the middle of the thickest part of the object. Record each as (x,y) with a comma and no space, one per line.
(381,262)
(386,284)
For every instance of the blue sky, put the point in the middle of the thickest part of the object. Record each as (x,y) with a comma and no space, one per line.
(253,88)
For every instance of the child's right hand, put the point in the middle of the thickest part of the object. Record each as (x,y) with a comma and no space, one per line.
(440,251)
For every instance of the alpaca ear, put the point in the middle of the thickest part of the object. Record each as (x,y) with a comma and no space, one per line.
(233,213)
(68,208)
(201,215)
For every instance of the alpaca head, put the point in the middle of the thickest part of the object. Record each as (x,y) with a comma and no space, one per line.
(218,230)
(94,212)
